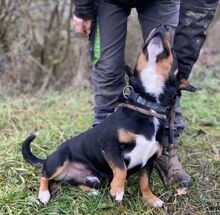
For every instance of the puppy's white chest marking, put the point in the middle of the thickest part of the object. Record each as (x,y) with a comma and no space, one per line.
(143,150)
(152,82)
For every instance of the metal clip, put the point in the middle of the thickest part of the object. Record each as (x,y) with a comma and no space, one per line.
(127,91)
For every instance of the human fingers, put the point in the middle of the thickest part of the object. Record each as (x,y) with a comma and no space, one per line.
(79,25)
(88,26)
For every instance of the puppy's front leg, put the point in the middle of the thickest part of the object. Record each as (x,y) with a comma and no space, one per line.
(147,195)
(119,171)
(118,182)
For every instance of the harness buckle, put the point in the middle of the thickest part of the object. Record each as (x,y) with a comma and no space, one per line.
(127,91)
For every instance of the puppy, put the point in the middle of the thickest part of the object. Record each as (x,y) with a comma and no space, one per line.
(128,140)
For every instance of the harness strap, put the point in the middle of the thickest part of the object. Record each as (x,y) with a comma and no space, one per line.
(138,99)
(141,110)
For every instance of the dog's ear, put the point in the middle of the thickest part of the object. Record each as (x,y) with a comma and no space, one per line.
(128,71)
(185,85)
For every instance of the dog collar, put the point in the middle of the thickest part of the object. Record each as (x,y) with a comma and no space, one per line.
(137,99)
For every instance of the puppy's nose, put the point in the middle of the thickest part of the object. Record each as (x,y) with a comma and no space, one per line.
(166,27)
(162,28)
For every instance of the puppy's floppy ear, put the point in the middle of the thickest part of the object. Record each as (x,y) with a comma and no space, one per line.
(128,71)
(185,85)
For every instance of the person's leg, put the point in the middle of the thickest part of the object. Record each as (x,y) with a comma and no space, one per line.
(154,13)
(167,13)
(195,18)
(107,43)
(190,36)
(169,165)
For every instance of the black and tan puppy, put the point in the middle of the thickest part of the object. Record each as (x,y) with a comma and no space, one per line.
(126,142)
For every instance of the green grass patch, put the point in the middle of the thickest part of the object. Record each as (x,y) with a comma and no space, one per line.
(59,116)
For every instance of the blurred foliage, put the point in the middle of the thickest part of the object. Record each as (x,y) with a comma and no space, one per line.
(39,49)
(38,46)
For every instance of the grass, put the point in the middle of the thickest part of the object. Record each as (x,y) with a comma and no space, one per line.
(60,116)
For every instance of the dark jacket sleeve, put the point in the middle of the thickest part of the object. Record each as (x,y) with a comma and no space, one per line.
(195,17)
(84,9)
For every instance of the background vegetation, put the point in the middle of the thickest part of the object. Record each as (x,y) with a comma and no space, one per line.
(44,70)
(39,49)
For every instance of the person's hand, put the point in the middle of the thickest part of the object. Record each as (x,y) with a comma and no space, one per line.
(83,27)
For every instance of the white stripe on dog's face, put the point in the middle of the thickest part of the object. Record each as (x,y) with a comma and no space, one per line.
(151,80)
(141,153)
(154,48)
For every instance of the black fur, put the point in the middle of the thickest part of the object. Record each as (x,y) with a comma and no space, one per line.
(26,152)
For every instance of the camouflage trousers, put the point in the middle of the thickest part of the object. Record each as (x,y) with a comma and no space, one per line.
(194,20)
(179,123)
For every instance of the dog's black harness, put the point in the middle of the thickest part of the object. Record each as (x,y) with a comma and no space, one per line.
(137,99)
(141,105)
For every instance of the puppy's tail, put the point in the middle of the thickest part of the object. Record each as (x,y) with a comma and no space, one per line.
(27,154)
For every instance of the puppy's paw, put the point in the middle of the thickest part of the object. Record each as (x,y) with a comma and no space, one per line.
(158,203)
(93,192)
(44,197)
(119,197)
(92,181)
(117,194)
(153,201)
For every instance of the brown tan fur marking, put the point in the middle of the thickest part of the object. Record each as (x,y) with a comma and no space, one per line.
(44,194)
(44,185)
(59,170)
(168,39)
(164,66)
(118,181)
(147,195)
(119,176)
(141,63)
(126,136)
